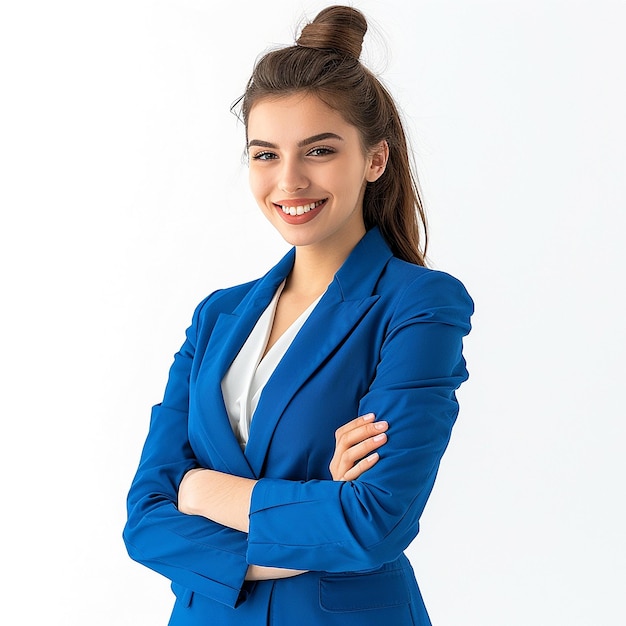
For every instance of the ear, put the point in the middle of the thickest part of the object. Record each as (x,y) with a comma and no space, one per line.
(379,155)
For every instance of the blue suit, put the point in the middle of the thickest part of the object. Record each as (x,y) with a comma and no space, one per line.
(385,338)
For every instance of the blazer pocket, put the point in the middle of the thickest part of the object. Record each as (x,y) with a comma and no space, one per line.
(360,592)
(183,595)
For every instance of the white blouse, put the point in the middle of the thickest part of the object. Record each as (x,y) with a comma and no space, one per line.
(248,374)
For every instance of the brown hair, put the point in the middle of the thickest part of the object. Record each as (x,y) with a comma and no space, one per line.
(325,62)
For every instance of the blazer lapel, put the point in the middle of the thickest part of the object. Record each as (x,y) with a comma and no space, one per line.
(227,337)
(348,298)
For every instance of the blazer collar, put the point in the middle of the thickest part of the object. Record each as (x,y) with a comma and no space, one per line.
(358,276)
(355,279)
(346,301)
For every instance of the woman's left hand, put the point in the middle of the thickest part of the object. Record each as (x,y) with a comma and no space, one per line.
(355,445)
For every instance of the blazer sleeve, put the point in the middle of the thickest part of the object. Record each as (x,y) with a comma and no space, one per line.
(189,550)
(358,525)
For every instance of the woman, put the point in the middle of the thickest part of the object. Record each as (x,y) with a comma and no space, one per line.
(305,415)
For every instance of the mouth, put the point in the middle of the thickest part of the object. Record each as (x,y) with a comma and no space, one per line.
(300,209)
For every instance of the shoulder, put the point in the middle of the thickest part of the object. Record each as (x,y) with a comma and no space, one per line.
(420,292)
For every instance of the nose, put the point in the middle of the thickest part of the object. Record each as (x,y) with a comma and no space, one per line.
(292,176)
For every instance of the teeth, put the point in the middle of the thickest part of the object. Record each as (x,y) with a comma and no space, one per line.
(301,210)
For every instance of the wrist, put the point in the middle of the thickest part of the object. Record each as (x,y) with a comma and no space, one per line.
(222,498)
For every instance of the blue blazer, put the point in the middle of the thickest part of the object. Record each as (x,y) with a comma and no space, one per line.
(385,338)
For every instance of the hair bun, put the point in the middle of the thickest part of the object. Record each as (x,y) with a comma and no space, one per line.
(339,28)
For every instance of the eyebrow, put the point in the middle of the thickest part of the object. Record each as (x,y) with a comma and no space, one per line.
(301,144)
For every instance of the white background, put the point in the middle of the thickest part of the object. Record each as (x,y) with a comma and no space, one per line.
(124,201)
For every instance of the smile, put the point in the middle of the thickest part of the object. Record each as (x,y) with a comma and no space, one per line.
(301,210)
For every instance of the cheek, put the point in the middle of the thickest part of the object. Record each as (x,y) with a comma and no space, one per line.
(349,180)
(258,185)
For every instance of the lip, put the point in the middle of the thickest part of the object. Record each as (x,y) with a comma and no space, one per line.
(295,202)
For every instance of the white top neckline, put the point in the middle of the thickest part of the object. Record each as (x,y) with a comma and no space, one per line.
(248,374)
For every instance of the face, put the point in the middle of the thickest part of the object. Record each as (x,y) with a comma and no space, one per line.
(308,170)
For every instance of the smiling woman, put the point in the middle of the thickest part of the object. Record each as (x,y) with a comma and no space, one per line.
(312,171)
(305,416)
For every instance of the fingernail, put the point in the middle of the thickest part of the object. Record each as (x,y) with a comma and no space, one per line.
(372,457)
(380,425)
(369,417)
(380,437)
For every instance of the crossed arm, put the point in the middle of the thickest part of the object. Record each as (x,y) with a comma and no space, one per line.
(225,499)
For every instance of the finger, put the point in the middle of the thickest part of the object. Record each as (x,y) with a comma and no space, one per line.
(345,461)
(363,448)
(362,466)
(349,436)
(359,435)
(354,446)
(355,423)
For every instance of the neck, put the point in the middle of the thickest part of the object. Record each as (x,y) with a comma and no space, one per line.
(315,266)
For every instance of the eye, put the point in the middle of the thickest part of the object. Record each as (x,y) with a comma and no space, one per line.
(321,151)
(264,156)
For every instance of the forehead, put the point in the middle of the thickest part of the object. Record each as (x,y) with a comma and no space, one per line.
(296,116)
